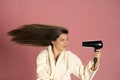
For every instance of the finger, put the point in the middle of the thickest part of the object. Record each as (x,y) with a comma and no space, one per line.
(97,50)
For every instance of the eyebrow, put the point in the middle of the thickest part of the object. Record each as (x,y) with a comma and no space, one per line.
(63,38)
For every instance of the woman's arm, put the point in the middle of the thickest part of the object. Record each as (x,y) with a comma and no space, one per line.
(85,72)
(42,69)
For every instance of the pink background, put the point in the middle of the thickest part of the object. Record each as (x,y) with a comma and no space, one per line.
(85,19)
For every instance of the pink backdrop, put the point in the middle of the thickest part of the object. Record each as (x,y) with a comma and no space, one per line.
(85,19)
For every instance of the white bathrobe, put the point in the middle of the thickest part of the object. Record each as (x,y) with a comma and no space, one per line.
(66,64)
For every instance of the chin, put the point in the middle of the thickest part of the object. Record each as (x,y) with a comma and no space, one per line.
(63,49)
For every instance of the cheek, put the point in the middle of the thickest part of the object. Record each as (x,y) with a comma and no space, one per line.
(61,43)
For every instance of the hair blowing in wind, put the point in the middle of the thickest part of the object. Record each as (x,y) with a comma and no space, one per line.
(36,34)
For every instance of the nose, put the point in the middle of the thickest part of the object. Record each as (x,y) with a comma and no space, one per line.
(66,42)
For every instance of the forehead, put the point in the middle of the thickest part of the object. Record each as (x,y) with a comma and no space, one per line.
(63,36)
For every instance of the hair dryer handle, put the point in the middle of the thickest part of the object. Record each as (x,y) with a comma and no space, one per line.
(95,61)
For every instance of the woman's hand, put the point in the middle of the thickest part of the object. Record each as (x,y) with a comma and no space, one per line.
(97,55)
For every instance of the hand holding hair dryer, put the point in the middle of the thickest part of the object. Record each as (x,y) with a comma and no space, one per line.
(98,44)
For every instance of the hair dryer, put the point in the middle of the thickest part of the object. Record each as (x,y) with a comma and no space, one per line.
(95,44)
(98,44)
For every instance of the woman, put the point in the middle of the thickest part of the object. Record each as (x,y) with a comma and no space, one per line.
(54,62)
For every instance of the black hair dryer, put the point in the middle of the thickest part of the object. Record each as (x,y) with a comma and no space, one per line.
(98,44)
(95,44)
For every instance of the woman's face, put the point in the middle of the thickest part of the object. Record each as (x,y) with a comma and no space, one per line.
(61,42)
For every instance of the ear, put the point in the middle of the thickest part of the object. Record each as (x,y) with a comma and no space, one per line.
(52,42)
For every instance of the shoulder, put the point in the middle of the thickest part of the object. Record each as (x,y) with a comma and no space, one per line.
(42,54)
(70,54)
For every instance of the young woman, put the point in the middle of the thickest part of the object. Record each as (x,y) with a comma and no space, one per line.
(54,62)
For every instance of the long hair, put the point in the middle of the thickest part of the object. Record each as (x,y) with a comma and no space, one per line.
(36,34)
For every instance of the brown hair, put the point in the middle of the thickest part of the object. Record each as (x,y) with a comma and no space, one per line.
(37,34)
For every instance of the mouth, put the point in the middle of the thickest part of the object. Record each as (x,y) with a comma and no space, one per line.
(64,46)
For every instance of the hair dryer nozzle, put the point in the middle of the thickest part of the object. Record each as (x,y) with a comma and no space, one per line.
(96,44)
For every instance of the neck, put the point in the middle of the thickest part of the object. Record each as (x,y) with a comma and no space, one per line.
(56,53)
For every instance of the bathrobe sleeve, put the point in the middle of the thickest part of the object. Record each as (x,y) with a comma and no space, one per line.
(42,73)
(78,69)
